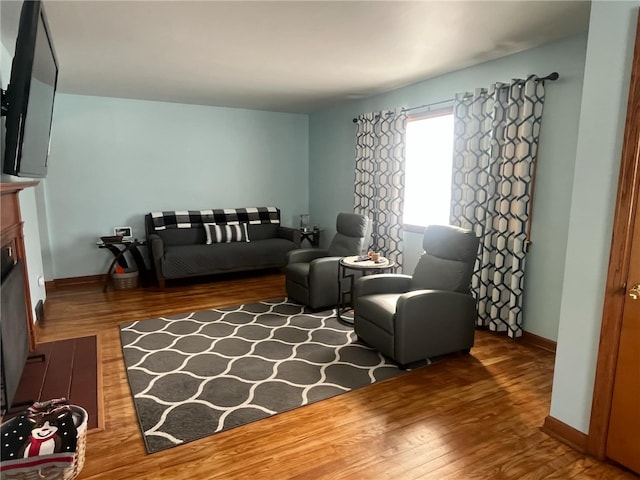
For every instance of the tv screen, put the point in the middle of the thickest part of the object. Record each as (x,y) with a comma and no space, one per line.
(30,95)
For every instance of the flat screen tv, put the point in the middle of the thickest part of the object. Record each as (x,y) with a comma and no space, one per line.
(30,95)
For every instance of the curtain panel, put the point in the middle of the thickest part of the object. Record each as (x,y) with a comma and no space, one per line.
(495,147)
(379,178)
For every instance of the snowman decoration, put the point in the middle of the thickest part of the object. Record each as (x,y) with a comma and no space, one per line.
(44,438)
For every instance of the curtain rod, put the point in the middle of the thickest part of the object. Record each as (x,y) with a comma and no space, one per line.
(553,76)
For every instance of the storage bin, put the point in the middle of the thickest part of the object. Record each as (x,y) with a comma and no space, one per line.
(127,279)
(80,417)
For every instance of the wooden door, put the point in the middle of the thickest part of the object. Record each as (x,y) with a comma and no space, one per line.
(623,437)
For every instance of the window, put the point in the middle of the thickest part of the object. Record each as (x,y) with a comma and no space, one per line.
(429,151)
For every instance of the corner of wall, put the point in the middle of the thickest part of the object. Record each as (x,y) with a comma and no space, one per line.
(604,99)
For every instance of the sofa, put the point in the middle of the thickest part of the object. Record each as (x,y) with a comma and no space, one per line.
(196,243)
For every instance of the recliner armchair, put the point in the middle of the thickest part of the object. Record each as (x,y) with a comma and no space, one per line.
(312,273)
(432,313)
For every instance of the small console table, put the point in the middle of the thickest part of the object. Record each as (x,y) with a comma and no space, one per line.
(118,249)
(312,236)
(365,267)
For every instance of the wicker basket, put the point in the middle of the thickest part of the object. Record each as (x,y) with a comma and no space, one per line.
(127,279)
(58,473)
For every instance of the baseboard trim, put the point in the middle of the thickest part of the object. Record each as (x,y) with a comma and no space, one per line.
(533,340)
(65,282)
(566,434)
(37,331)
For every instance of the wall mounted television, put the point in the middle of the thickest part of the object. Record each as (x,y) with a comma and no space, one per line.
(28,103)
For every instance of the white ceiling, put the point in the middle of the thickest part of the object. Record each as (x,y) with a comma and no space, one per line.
(290,56)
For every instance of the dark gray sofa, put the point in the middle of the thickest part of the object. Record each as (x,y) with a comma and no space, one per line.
(177,248)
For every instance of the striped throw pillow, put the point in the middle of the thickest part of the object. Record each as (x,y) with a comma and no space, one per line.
(228,233)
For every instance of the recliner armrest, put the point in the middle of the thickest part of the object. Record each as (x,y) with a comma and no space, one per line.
(432,301)
(429,323)
(382,283)
(324,267)
(305,255)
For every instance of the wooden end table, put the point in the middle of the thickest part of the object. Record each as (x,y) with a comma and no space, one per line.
(311,235)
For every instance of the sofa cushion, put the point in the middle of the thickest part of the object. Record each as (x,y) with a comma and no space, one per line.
(183,236)
(226,233)
(193,260)
(262,231)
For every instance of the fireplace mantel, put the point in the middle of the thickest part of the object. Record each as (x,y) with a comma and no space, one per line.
(12,237)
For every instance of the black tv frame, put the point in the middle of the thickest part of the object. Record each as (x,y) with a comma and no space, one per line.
(15,100)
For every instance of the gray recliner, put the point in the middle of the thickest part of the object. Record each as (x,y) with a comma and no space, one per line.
(411,318)
(312,273)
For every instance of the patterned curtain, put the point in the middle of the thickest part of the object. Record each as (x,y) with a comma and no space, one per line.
(495,148)
(379,183)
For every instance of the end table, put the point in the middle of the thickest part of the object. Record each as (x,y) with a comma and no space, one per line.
(118,249)
(365,267)
(312,236)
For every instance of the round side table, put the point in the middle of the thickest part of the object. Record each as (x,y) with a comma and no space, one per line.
(349,268)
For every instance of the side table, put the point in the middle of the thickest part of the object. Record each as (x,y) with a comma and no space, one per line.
(312,236)
(118,249)
(366,267)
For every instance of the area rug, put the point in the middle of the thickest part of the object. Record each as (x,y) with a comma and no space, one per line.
(201,373)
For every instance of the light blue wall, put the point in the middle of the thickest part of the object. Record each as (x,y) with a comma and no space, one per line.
(332,151)
(602,119)
(113,160)
(32,245)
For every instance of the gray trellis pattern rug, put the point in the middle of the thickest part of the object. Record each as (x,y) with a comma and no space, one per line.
(200,373)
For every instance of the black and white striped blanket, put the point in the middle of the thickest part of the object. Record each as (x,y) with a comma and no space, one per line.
(221,216)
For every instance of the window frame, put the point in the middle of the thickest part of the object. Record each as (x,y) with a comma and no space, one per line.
(413,117)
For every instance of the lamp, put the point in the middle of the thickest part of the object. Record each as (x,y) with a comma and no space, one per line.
(304,222)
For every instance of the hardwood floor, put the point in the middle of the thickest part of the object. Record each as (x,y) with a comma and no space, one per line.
(474,416)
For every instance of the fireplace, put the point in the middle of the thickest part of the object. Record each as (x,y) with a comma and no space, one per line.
(14,342)
(16,315)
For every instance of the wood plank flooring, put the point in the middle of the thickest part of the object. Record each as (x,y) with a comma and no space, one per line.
(474,416)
